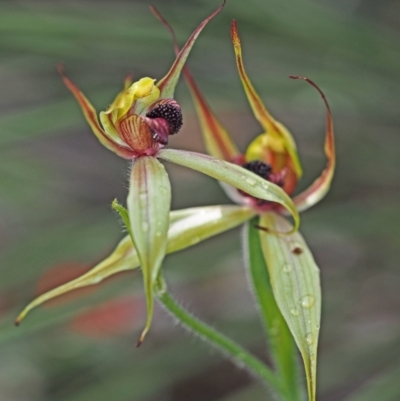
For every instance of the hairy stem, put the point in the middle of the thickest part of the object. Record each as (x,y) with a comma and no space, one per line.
(237,353)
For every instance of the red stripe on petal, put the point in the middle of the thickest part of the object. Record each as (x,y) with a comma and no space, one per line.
(137,134)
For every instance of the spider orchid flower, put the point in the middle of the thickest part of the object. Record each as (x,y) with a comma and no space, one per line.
(136,126)
(272,155)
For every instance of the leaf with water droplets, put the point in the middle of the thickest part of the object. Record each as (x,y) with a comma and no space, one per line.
(296,286)
(234,175)
(280,340)
(148,209)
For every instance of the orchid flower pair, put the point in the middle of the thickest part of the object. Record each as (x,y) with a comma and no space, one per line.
(136,126)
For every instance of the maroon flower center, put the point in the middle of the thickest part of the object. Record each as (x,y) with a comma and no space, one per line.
(164,119)
(264,170)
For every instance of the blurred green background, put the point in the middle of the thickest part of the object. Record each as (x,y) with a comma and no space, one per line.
(57,184)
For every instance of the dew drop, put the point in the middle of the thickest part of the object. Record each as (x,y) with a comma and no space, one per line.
(294,312)
(309,339)
(307,301)
(287,268)
(265,185)
(250,181)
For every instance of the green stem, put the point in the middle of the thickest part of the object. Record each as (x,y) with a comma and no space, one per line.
(219,341)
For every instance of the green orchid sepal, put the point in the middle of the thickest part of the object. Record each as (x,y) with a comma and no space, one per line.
(187,227)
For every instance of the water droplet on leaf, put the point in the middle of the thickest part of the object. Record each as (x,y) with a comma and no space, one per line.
(287,268)
(250,181)
(307,301)
(309,338)
(294,312)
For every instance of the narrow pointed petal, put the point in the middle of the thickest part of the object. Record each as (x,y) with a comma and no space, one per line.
(149,203)
(321,185)
(168,83)
(270,125)
(217,140)
(234,175)
(124,257)
(91,117)
(295,282)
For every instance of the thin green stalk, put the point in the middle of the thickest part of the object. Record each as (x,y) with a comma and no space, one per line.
(219,341)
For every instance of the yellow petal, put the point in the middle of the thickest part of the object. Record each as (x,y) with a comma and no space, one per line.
(144,92)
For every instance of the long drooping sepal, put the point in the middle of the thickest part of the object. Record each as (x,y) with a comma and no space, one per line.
(321,185)
(168,83)
(217,140)
(295,282)
(234,175)
(187,227)
(91,117)
(149,203)
(277,137)
(280,340)
(123,258)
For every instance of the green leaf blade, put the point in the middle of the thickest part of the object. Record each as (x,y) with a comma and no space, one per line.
(280,340)
(149,202)
(296,286)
